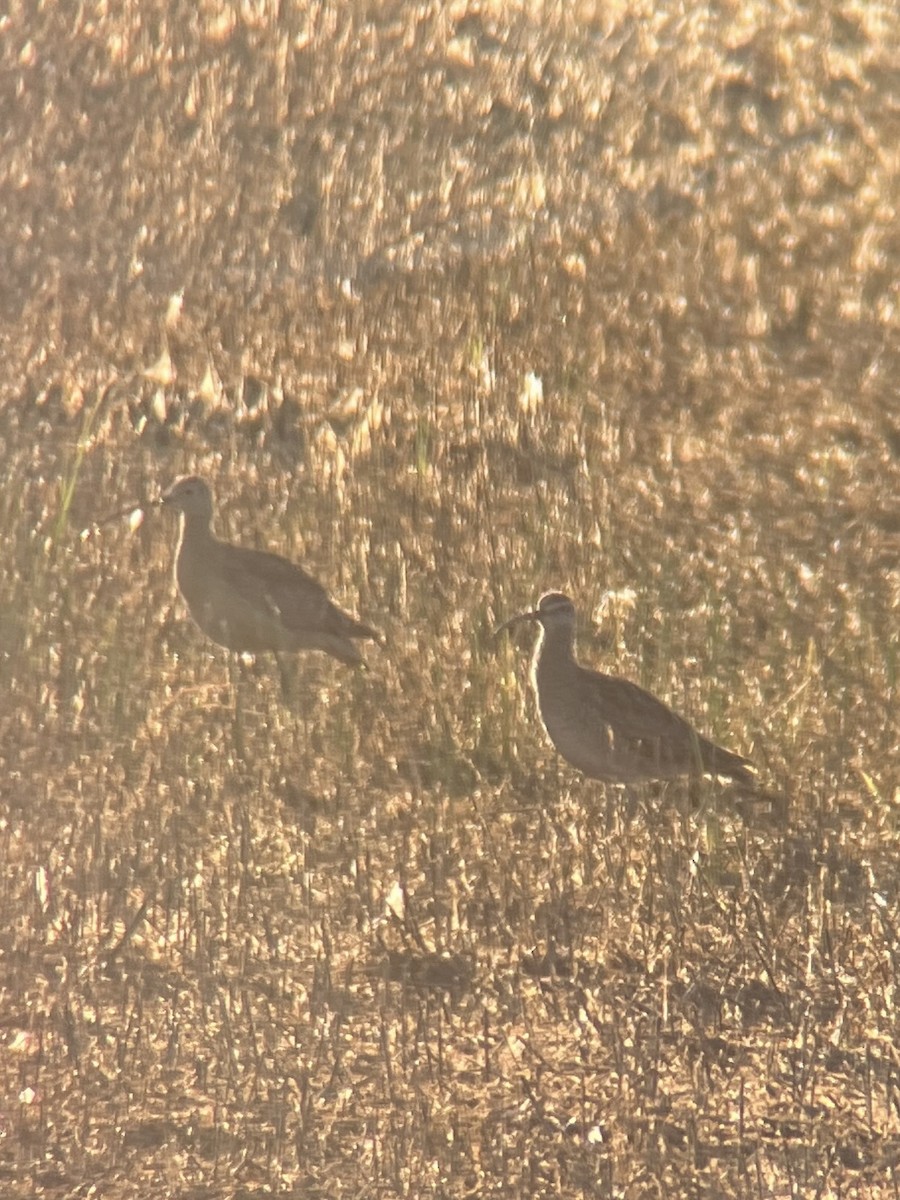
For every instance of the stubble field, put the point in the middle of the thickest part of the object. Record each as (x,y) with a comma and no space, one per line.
(453,304)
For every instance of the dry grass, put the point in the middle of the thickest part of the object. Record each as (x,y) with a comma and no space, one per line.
(380,941)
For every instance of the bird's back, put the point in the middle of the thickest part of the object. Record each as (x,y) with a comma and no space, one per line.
(614,730)
(253,601)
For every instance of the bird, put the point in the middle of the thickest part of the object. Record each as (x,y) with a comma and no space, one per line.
(607,727)
(251,601)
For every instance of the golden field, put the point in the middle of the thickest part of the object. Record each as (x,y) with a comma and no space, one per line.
(453,304)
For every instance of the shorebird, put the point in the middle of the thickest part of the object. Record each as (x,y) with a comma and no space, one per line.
(609,728)
(248,600)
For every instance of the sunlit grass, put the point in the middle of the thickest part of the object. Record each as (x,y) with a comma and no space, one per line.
(471,305)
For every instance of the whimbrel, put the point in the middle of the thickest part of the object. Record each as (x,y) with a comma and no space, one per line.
(249,600)
(610,728)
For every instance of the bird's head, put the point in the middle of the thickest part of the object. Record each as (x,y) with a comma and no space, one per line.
(554,611)
(191,495)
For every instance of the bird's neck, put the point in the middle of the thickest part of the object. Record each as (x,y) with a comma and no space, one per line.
(554,645)
(195,528)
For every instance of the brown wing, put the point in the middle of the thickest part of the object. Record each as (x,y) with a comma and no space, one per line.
(654,732)
(297,600)
(631,711)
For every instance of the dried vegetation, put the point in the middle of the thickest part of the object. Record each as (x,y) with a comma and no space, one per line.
(454,303)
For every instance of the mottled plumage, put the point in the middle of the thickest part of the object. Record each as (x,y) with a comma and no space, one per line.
(249,600)
(610,728)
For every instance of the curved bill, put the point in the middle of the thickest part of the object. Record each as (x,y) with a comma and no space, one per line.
(534,615)
(135,511)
